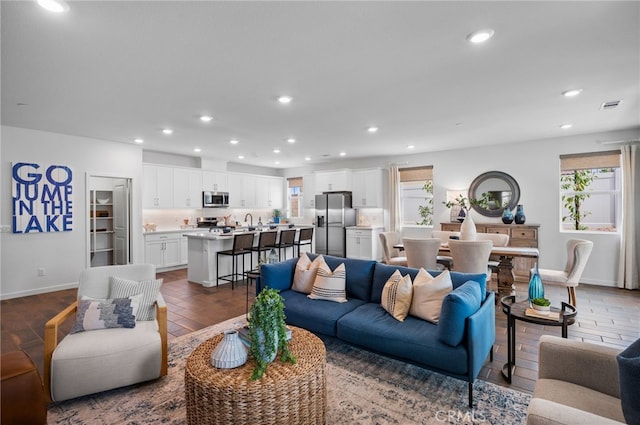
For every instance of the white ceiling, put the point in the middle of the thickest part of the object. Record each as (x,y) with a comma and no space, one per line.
(120,70)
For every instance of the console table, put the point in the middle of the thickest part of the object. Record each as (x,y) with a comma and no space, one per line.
(520,235)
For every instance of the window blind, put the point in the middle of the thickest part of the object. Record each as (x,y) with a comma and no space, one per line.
(582,161)
(294,182)
(416,174)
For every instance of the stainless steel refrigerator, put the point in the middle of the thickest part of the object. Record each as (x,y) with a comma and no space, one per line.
(333,215)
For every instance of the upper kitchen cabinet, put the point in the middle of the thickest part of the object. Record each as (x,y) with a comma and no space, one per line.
(333,181)
(367,188)
(309,190)
(213,181)
(187,188)
(242,190)
(269,192)
(157,186)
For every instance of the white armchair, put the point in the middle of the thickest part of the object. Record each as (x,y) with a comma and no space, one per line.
(99,360)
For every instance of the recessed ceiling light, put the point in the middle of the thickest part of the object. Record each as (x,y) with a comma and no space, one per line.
(276,162)
(233,141)
(56,6)
(572,92)
(284,99)
(343,153)
(410,147)
(240,156)
(206,118)
(291,140)
(138,141)
(307,158)
(167,131)
(372,129)
(197,150)
(276,150)
(566,126)
(480,36)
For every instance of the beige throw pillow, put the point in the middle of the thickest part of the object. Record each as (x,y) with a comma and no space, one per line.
(305,273)
(428,293)
(330,286)
(396,295)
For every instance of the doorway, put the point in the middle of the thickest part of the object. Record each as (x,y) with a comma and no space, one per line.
(109,221)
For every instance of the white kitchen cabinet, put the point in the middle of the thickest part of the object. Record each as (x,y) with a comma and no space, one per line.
(269,192)
(157,182)
(214,181)
(367,188)
(333,181)
(163,250)
(187,188)
(309,191)
(242,190)
(363,243)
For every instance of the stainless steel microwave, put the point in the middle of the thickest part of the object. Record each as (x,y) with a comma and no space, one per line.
(215,199)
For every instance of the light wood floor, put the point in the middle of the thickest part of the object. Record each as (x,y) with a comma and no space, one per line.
(605,316)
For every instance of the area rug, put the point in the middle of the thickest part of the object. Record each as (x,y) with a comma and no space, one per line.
(362,388)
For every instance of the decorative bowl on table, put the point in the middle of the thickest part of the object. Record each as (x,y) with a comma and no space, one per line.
(272,226)
(541,305)
(291,225)
(103,201)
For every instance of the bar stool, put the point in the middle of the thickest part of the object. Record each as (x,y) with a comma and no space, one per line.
(287,239)
(242,244)
(266,241)
(305,238)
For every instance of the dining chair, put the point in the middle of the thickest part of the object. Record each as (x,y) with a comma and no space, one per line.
(391,255)
(471,256)
(578,252)
(498,239)
(422,252)
(444,236)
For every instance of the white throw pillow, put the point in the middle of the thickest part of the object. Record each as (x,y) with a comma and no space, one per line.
(150,288)
(330,286)
(396,295)
(305,273)
(428,293)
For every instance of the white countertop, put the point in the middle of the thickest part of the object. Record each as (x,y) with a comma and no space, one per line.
(367,227)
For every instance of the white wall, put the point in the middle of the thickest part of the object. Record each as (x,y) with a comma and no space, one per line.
(535,166)
(61,254)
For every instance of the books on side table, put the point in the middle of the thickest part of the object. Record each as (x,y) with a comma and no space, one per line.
(243,332)
(551,315)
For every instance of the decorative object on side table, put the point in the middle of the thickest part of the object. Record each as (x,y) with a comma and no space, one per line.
(541,305)
(507,216)
(536,288)
(520,217)
(230,352)
(468,230)
(268,331)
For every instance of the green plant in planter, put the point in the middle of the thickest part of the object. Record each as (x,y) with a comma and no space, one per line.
(268,331)
(541,302)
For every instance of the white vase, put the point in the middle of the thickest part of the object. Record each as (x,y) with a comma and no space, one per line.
(230,352)
(468,229)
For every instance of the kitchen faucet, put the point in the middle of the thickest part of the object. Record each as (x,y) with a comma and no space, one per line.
(249,215)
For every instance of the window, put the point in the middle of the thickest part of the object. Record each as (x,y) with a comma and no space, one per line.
(294,197)
(590,196)
(416,196)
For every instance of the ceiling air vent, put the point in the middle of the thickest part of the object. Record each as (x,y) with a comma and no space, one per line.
(610,105)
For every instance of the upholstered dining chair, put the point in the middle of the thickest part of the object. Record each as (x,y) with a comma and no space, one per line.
(578,252)
(471,256)
(444,236)
(498,239)
(91,361)
(390,254)
(422,252)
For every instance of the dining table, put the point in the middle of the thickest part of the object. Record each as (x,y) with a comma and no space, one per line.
(505,274)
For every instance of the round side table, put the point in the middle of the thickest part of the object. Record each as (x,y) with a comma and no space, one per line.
(286,394)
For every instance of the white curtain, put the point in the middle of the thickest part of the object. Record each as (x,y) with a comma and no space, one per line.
(628,266)
(394,199)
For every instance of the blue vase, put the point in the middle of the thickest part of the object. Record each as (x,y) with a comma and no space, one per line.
(520,217)
(507,216)
(536,289)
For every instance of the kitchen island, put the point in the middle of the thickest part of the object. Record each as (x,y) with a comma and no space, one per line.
(203,248)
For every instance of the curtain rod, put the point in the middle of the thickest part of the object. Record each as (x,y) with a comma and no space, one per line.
(620,142)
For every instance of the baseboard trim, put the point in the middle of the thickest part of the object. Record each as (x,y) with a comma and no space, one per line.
(38,291)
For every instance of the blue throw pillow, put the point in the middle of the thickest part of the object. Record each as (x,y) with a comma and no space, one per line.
(459,304)
(629,369)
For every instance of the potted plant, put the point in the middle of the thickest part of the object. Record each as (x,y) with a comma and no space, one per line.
(541,304)
(268,331)
(276,216)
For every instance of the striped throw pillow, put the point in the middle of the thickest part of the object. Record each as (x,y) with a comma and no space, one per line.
(149,288)
(396,295)
(330,286)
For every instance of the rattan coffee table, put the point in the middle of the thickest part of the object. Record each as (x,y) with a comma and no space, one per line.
(286,394)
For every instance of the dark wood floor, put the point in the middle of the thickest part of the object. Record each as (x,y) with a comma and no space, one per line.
(605,316)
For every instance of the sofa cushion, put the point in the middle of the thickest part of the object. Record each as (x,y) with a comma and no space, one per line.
(305,273)
(105,314)
(329,285)
(149,288)
(428,294)
(413,340)
(629,370)
(315,315)
(459,304)
(396,295)
(277,275)
(359,275)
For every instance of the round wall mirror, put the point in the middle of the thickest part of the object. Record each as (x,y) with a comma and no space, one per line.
(498,189)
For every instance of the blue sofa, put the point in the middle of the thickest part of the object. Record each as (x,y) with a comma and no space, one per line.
(362,321)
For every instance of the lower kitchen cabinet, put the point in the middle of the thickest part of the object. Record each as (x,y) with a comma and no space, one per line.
(364,243)
(163,250)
